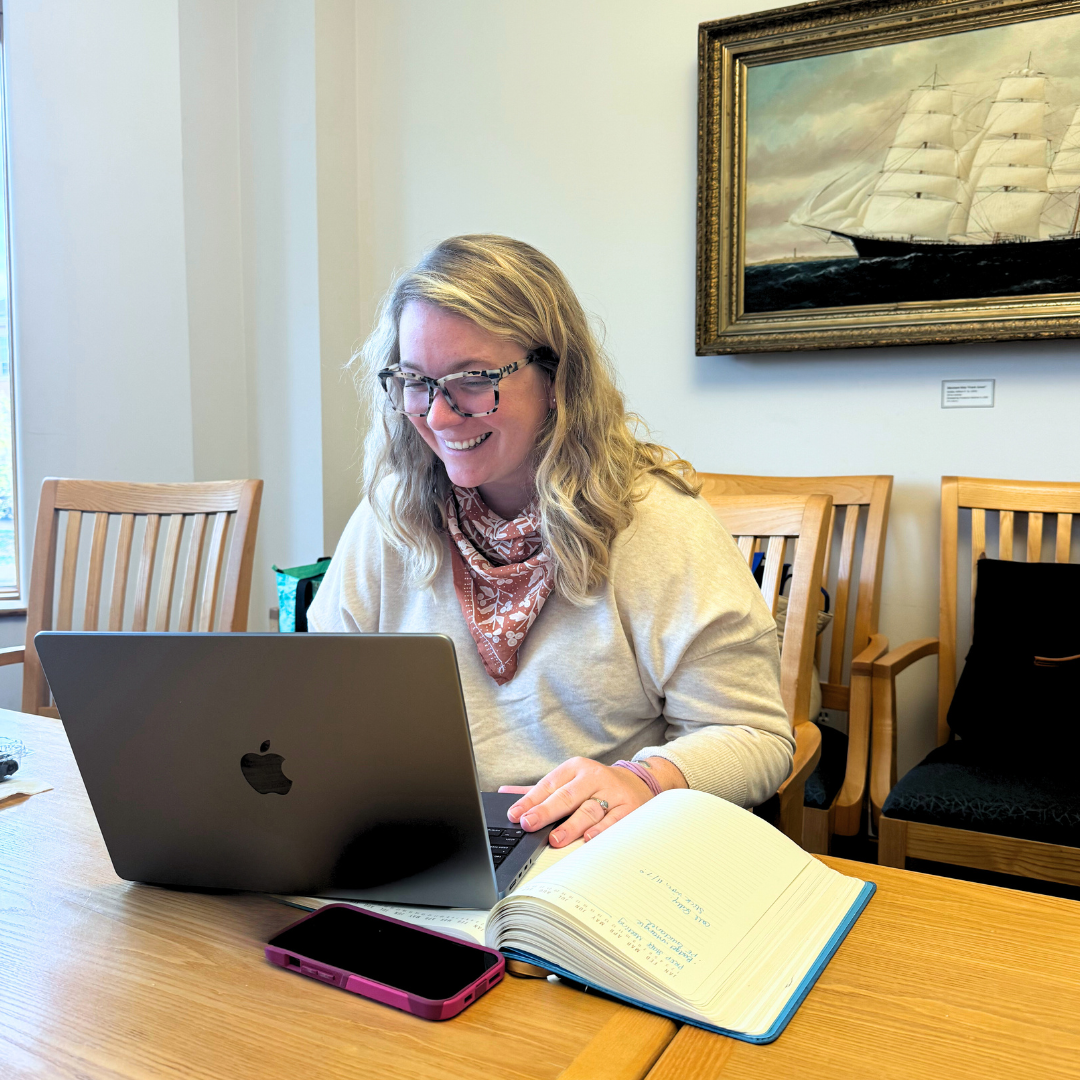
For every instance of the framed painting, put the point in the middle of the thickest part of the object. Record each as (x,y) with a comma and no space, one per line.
(889,173)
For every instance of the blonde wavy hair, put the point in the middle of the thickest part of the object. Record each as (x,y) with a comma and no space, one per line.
(588,459)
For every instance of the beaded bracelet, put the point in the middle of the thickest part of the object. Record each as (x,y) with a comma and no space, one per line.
(642,773)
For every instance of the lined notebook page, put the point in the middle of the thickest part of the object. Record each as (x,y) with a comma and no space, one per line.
(674,887)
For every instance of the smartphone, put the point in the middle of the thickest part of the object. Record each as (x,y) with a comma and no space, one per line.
(421,971)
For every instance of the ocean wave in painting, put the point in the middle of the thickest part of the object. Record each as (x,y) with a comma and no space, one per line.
(848,282)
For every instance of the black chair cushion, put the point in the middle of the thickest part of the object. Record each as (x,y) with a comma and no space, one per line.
(955,787)
(825,782)
(1008,705)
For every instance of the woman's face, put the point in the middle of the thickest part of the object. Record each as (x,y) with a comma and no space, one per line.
(491,453)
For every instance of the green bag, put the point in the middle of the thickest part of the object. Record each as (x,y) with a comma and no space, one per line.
(296,588)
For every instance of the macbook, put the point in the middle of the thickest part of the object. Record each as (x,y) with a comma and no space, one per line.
(313,764)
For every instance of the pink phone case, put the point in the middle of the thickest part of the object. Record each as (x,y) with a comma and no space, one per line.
(428,1008)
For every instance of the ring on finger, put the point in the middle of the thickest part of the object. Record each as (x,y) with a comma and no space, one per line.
(602,802)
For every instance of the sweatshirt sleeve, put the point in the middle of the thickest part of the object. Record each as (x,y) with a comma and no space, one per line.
(705,640)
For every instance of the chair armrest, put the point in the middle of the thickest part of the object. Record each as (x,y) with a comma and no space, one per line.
(807,754)
(792,790)
(848,806)
(16,654)
(863,664)
(883,717)
(891,664)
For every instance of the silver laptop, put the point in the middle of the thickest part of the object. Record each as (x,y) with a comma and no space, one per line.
(314,764)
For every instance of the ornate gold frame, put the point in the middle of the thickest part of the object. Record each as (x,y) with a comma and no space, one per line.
(726,48)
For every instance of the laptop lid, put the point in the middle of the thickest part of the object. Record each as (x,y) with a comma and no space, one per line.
(333,764)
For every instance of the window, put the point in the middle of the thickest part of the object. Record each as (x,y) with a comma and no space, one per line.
(9,530)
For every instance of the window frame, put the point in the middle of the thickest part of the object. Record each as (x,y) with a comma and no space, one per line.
(11,596)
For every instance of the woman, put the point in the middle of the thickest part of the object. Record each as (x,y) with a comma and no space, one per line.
(598,609)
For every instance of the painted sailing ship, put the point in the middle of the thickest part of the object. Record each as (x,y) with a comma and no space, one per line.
(947,187)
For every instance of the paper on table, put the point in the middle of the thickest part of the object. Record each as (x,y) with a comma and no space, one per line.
(23,786)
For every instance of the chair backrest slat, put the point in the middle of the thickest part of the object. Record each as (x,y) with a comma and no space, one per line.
(827,567)
(1007,498)
(1034,537)
(1005,535)
(978,550)
(213,571)
(169,563)
(191,572)
(842,590)
(773,571)
(97,571)
(67,572)
(145,580)
(748,546)
(1063,545)
(121,566)
(169,567)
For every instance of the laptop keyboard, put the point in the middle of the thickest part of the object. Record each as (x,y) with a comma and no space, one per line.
(502,842)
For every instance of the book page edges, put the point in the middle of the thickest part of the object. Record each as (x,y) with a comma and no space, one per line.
(786,1013)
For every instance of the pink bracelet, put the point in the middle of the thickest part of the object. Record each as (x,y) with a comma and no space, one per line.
(642,773)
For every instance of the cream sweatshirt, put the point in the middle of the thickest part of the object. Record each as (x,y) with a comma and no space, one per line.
(676,656)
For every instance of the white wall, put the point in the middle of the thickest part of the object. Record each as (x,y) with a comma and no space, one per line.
(182,271)
(573,126)
(100,316)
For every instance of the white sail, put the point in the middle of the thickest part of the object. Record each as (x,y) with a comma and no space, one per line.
(945,187)
(1009,213)
(1014,152)
(839,211)
(1016,119)
(919,129)
(931,100)
(1012,176)
(1065,171)
(907,215)
(1008,179)
(920,159)
(1022,88)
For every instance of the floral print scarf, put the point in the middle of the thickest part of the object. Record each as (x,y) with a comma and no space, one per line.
(502,576)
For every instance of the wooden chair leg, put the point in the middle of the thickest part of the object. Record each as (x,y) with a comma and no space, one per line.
(815,831)
(892,842)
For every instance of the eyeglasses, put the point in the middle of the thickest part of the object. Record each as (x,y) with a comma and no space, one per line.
(468,393)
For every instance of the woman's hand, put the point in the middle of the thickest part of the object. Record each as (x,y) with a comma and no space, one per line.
(574,790)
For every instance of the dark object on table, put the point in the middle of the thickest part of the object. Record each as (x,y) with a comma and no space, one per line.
(8,765)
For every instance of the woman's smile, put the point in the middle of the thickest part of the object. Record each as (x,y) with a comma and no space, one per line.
(469,444)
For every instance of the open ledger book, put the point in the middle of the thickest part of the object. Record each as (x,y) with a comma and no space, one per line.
(690,907)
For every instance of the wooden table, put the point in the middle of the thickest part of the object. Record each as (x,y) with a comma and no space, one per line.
(101,978)
(106,980)
(940,979)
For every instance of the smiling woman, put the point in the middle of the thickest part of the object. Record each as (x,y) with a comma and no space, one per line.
(598,609)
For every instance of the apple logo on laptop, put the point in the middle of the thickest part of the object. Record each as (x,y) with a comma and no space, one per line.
(263,772)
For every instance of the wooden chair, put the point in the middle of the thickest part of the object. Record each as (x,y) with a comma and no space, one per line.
(777,522)
(899,837)
(836,791)
(188,509)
